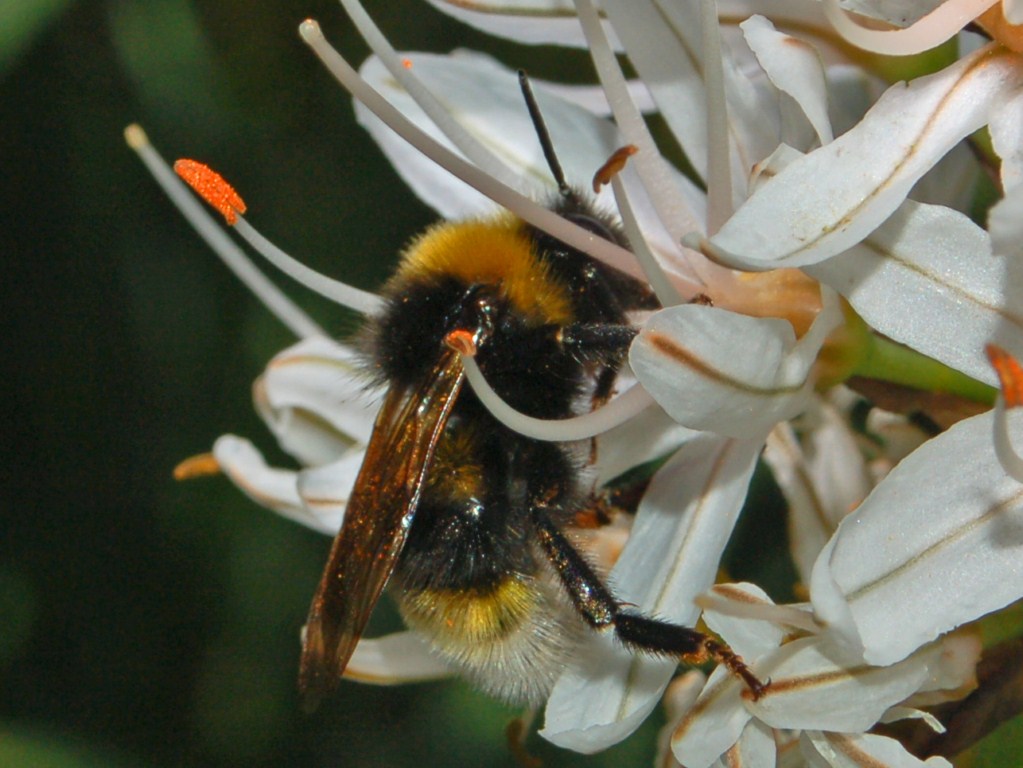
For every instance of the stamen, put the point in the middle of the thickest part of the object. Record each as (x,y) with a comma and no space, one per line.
(540,217)
(203,465)
(1011,376)
(344,294)
(462,342)
(719,172)
(466,143)
(652,168)
(932,30)
(283,308)
(662,287)
(212,188)
(620,410)
(613,166)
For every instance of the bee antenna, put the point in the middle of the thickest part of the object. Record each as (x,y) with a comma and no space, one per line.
(544,136)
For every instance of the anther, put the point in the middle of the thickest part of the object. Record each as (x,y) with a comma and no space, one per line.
(1010,374)
(462,342)
(613,166)
(203,465)
(212,188)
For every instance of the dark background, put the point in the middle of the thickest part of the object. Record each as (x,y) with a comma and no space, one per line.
(145,622)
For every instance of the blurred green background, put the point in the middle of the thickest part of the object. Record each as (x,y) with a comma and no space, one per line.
(145,622)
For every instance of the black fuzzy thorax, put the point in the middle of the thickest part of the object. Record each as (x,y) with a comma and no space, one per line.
(473,543)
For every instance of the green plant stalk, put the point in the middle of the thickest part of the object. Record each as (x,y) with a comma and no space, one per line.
(886,360)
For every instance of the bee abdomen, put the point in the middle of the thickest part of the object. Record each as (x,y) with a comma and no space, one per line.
(512,640)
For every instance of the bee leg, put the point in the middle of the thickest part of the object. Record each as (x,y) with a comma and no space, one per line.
(602,343)
(601,610)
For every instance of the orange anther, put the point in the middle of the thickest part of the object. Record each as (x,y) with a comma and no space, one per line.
(212,188)
(407,63)
(202,465)
(1010,374)
(462,342)
(613,166)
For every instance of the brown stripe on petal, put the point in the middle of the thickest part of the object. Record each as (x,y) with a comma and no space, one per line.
(667,346)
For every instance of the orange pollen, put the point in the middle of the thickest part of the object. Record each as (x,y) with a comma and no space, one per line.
(462,342)
(613,166)
(1010,374)
(407,63)
(202,465)
(212,188)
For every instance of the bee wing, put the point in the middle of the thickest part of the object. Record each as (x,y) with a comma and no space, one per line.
(376,522)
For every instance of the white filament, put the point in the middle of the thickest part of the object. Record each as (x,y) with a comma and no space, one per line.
(540,217)
(936,27)
(346,295)
(467,144)
(651,166)
(659,282)
(615,413)
(719,174)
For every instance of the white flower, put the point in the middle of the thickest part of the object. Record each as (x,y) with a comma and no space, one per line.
(750,109)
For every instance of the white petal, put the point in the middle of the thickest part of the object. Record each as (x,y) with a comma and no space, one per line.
(681,529)
(821,482)
(756,748)
(485,98)
(325,490)
(275,489)
(816,684)
(937,544)
(717,370)
(713,725)
(926,278)
(838,750)
(315,400)
(750,638)
(1005,221)
(650,435)
(402,657)
(835,196)
(1013,10)
(795,68)
(534,22)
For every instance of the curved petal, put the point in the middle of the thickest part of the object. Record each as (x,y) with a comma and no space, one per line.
(833,197)
(816,684)
(926,278)
(717,370)
(673,553)
(919,558)
(713,725)
(314,398)
(840,750)
(795,68)
(325,490)
(274,489)
(402,657)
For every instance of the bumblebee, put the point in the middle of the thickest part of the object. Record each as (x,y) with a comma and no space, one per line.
(466,522)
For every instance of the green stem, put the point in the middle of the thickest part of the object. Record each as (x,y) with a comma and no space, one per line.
(887,360)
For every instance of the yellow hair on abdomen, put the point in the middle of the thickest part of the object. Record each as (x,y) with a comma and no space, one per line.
(495,251)
(455,618)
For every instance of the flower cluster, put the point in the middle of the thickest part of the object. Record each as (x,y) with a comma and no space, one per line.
(827,220)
